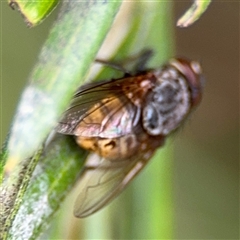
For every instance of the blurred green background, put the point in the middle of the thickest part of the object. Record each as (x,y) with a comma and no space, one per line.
(206,162)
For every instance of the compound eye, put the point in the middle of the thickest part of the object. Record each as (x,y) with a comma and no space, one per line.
(151,120)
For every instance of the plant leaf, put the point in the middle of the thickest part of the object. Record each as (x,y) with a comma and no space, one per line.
(193,13)
(34,12)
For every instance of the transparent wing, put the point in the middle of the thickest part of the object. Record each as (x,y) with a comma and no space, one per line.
(101,109)
(104,179)
(100,184)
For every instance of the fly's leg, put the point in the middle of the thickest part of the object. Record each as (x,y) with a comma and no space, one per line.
(137,63)
(141,60)
(113,65)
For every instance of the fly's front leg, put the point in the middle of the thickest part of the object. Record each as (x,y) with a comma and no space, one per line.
(135,64)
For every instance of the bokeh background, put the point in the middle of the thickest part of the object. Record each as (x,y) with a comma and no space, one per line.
(206,163)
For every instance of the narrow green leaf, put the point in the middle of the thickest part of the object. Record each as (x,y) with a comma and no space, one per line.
(56,172)
(12,194)
(193,13)
(34,12)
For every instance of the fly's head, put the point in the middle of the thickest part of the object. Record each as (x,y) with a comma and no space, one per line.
(177,91)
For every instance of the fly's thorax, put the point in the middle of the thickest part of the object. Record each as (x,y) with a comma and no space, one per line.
(167,104)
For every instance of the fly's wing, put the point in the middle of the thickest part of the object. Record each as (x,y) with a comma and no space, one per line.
(100,184)
(104,179)
(101,109)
